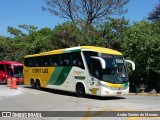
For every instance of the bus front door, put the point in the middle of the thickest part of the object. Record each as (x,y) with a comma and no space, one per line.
(95,71)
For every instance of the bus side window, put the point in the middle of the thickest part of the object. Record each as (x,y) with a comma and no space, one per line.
(26,62)
(96,70)
(60,62)
(55,64)
(70,60)
(65,59)
(46,61)
(74,62)
(77,60)
(34,61)
(9,70)
(37,62)
(87,55)
(55,60)
(30,62)
(2,68)
(51,61)
(42,62)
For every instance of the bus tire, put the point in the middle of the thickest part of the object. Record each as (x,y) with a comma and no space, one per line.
(80,90)
(4,81)
(38,85)
(32,83)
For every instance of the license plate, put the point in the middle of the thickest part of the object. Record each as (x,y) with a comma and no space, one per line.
(119,93)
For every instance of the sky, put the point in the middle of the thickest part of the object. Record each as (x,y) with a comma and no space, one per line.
(29,12)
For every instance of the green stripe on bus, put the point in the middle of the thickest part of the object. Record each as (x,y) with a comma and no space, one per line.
(55,75)
(125,84)
(69,51)
(59,75)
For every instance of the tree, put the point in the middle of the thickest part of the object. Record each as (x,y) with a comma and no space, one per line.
(20,36)
(20,44)
(142,45)
(40,41)
(66,35)
(29,28)
(92,36)
(85,11)
(3,47)
(11,50)
(155,14)
(111,31)
(14,31)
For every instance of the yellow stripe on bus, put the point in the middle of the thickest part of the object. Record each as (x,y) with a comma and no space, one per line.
(102,50)
(114,85)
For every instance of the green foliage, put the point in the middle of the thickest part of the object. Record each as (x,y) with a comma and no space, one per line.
(29,28)
(66,35)
(40,41)
(10,50)
(20,44)
(155,14)
(112,32)
(14,31)
(142,45)
(91,36)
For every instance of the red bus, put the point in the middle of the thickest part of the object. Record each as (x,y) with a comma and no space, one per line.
(9,69)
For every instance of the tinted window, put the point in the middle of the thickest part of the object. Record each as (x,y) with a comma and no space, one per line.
(18,71)
(66,59)
(29,62)
(2,68)
(77,60)
(87,55)
(96,69)
(9,70)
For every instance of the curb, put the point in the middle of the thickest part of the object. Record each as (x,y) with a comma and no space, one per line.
(145,94)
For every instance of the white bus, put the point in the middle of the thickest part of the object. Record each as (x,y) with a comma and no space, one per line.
(84,70)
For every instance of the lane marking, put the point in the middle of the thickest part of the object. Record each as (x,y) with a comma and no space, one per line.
(89,114)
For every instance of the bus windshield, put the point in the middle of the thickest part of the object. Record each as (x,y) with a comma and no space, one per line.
(18,71)
(115,71)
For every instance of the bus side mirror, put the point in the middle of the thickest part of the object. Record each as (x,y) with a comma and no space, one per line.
(103,64)
(132,63)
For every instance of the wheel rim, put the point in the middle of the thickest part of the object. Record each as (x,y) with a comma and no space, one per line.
(80,91)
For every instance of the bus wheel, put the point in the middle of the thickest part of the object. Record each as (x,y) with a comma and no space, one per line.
(80,90)
(32,83)
(4,81)
(38,84)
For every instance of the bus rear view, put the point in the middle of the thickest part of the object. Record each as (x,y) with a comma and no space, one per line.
(9,69)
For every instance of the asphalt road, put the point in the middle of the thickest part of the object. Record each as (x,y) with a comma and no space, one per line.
(27,99)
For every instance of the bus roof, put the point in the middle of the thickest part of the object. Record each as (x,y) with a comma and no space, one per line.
(11,62)
(80,48)
(101,50)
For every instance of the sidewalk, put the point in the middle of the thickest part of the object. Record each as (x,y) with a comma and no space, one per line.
(145,94)
(7,91)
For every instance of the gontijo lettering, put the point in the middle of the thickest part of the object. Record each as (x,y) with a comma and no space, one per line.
(39,70)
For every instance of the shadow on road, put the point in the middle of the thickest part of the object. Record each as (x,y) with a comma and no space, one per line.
(65,93)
